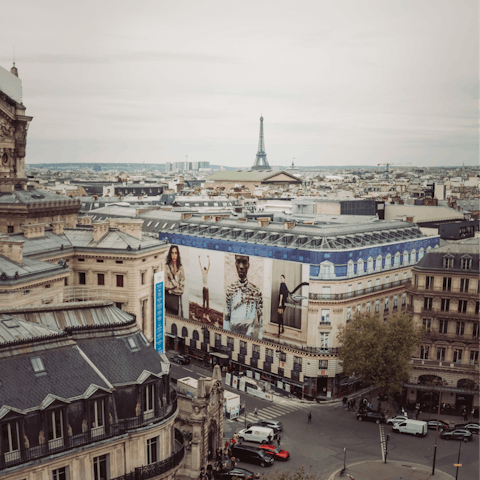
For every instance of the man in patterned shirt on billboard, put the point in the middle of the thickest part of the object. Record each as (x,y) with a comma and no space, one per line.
(244,303)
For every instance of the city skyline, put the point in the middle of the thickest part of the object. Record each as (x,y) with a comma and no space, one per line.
(350,83)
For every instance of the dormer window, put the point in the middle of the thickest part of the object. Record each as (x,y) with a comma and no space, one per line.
(466,263)
(11,441)
(132,343)
(149,401)
(448,262)
(37,365)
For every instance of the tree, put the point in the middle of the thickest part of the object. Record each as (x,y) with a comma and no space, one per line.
(378,351)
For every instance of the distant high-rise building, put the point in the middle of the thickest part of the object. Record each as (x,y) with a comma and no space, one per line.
(261,162)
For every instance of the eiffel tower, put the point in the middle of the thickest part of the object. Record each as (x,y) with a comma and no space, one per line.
(261,162)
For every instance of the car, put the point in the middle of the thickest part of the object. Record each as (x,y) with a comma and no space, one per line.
(394,420)
(471,427)
(237,472)
(441,425)
(276,452)
(383,396)
(273,424)
(458,434)
(250,454)
(181,359)
(371,417)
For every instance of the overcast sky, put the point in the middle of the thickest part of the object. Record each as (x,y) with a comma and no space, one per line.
(344,82)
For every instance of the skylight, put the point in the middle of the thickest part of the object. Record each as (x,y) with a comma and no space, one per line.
(37,364)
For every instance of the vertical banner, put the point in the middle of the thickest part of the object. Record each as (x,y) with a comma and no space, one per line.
(159,283)
(228,379)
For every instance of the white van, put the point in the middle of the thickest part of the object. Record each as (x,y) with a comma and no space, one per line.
(257,434)
(414,427)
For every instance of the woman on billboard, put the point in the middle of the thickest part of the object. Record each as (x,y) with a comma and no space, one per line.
(174,282)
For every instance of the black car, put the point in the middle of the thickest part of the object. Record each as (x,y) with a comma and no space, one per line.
(441,425)
(273,424)
(250,454)
(371,417)
(471,427)
(236,472)
(181,359)
(457,434)
(383,396)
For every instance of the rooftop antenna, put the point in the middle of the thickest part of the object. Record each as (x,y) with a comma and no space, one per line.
(14,70)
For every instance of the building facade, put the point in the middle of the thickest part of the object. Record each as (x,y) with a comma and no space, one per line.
(443,298)
(330,272)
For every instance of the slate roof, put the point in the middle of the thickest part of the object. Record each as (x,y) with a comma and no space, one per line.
(433,260)
(26,197)
(248,176)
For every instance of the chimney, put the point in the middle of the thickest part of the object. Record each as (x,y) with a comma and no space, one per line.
(100,229)
(263,222)
(112,222)
(186,216)
(33,230)
(12,249)
(58,227)
(85,220)
(206,218)
(289,225)
(130,226)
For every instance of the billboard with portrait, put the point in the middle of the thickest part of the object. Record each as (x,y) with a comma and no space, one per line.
(177,281)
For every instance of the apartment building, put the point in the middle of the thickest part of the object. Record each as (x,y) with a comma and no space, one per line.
(443,298)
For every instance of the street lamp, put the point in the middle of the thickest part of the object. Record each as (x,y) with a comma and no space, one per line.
(458,464)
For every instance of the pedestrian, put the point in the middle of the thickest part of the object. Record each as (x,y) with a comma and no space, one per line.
(309,417)
(233,442)
(226,444)
(354,401)
(278,440)
(348,405)
(379,407)
(255,412)
(465,416)
(233,461)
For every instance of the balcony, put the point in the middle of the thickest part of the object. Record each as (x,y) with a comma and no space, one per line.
(436,364)
(438,312)
(326,297)
(95,435)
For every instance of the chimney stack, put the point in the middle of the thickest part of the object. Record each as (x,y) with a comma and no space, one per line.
(100,229)
(33,230)
(130,226)
(58,227)
(85,220)
(12,249)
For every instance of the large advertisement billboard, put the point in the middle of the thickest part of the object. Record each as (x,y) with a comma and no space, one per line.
(244,294)
(159,297)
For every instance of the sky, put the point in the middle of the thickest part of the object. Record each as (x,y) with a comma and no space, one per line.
(344,82)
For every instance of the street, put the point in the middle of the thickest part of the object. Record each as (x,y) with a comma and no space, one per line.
(319,446)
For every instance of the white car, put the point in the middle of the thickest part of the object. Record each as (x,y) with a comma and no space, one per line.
(397,419)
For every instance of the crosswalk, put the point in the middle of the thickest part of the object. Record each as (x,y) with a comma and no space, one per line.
(278,408)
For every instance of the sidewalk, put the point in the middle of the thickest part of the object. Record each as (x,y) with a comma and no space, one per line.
(390,471)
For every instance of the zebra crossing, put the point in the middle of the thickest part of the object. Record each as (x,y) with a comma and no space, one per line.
(279,407)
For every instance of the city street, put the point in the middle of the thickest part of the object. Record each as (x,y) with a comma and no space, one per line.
(319,446)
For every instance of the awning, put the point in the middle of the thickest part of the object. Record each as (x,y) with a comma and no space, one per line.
(170,335)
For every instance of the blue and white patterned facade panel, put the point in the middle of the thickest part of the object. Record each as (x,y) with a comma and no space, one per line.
(339,259)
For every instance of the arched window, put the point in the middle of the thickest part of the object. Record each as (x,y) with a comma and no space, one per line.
(378,263)
(174,329)
(421,253)
(405,257)
(195,335)
(388,261)
(360,267)
(370,265)
(429,248)
(184,332)
(350,268)
(413,257)
(397,259)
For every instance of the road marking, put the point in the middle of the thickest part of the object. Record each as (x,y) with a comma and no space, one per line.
(188,369)
(382,441)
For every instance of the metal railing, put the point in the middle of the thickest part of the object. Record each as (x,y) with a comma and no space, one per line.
(356,293)
(94,435)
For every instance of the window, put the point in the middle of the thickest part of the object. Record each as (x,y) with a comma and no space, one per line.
(462,306)
(370,265)
(415,280)
(48,285)
(359,308)
(350,267)
(297,364)
(119,305)
(466,263)
(326,293)
(360,266)
(60,473)
(37,364)
(143,310)
(475,330)
(421,253)
(377,306)
(448,262)
(132,343)
(100,468)
(473,357)
(457,356)
(152,449)
(387,281)
(441,354)
(100,279)
(424,352)
(324,340)
(386,303)
(10,229)
(99,260)
(369,286)
(378,263)
(230,343)
(323,364)
(427,303)
(413,257)
(11,441)
(119,261)
(120,281)
(55,429)
(443,326)
(397,259)
(142,278)
(395,301)
(445,305)
(97,417)
(369,307)
(148,400)
(350,290)
(464,284)
(476,308)
(429,283)
(82,278)
(359,286)
(326,316)
(427,324)
(349,313)
(460,330)
(404,299)
(255,350)
(377,284)
(388,261)
(447,284)
(81,259)
(405,258)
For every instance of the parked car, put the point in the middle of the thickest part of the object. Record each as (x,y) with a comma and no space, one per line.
(236,472)
(250,454)
(382,396)
(458,434)
(181,359)
(441,425)
(257,434)
(471,427)
(276,452)
(398,418)
(371,417)
(273,424)
(411,426)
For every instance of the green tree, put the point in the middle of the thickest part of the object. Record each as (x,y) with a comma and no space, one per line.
(378,351)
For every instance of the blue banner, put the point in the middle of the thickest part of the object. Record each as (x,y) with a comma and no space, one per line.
(159,312)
